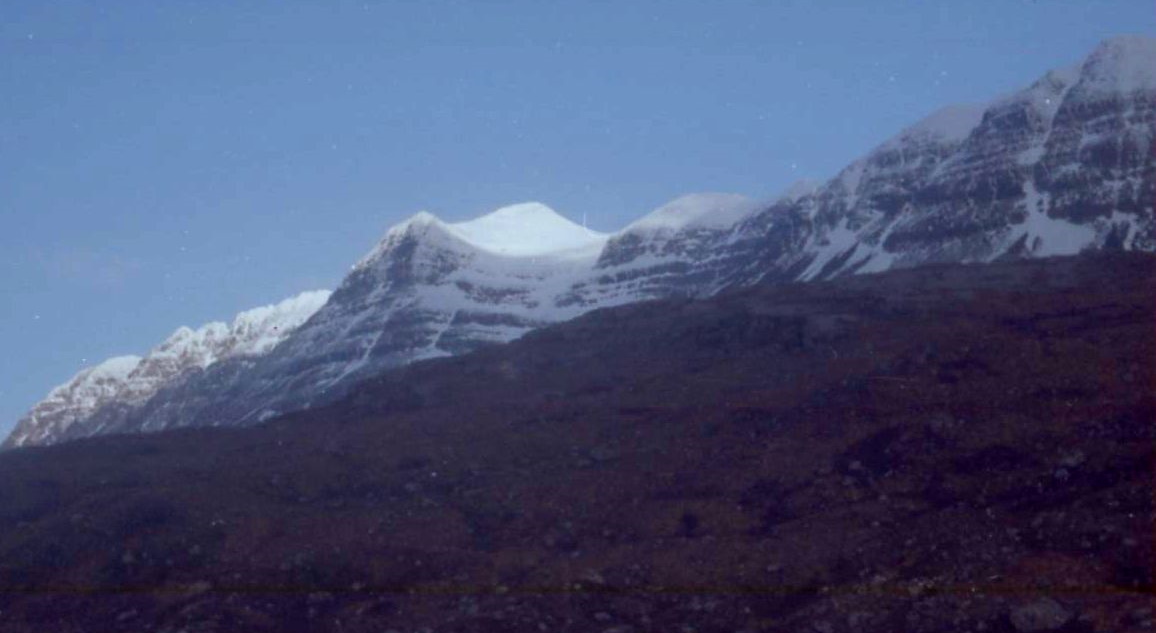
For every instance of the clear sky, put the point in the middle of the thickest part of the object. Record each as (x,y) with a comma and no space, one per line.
(169,163)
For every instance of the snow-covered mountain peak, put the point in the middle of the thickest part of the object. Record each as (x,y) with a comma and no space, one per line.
(799,189)
(251,332)
(1059,77)
(87,391)
(420,221)
(112,370)
(1045,94)
(182,333)
(697,210)
(1121,64)
(1062,166)
(421,218)
(293,309)
(117,366)
(186,341)
(528,229)
(417,222)
(522,212)
(951,124)
(259,330)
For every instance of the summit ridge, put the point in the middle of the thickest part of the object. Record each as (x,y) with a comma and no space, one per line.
(1062,167)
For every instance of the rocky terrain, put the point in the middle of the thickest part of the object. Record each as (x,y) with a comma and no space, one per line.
(1061,167)
(947,448)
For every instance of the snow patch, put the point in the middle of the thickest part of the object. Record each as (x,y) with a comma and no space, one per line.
(836,242)
(1045,236)
(849,179)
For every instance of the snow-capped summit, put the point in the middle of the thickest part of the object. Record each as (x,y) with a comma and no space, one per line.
(431,288)
(798,189)
(416,223)
(1039,102)
(529,229)
(1123,64)
(950,124)
(526,230)
(1063,166)
(195,346)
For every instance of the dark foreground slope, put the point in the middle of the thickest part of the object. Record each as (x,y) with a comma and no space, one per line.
(945,449)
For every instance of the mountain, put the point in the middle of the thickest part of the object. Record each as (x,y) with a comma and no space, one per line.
(1061,167)
(944,448)
(120,386)
(77,399)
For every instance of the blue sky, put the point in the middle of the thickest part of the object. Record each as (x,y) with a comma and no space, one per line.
(169,163)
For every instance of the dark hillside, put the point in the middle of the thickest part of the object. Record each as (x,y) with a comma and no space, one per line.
(952,448)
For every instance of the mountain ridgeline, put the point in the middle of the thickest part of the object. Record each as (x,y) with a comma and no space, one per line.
(1062,167)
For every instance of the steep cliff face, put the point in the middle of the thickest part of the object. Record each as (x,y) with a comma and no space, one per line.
(1097,163)
(1063,166)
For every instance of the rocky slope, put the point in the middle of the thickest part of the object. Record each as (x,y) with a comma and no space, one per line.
(1062,167)
(946,448)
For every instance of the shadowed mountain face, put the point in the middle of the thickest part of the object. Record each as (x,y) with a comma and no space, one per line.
(1061,167)
(938,449)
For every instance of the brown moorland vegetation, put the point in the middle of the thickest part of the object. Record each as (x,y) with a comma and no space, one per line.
(951,448)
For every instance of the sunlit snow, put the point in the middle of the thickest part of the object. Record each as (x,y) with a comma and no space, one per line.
(526,230)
